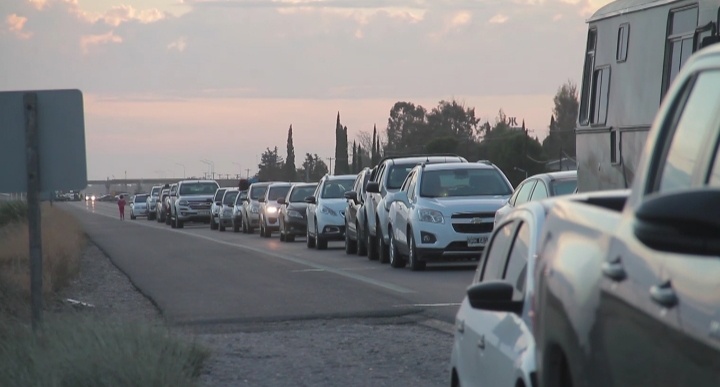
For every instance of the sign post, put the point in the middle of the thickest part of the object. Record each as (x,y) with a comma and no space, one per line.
(33,204)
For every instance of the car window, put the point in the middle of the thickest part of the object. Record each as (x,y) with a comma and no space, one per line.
(219,194)
(257,192)
(524,192)
(563,187)
(300,193)
(397,174)
(411,187)
(277,192)
(698,120)
(516,270)
(406,183)
(198,188)
(496,255)
(229,197)
(464,182)
(140,198)
(540,191)
(335,189)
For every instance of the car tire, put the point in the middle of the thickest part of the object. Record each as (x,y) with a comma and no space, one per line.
(221,226)
(371,244)
(178,222)
(264,230)
(382,248)
(350,245)
(168,219)
(396,261)
(290,238)
(132,217)
(213,225)
(415,263)
(320,243)
(235,226)
(310,240)
(244,226)
(361,242)
(281,230)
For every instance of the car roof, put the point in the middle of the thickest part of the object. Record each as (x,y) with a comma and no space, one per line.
(304,185)
(197,181)
(341,177)
(553,176)
(456,165)
(280,184)
(420,159)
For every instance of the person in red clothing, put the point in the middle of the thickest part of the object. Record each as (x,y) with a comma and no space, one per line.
(121,206)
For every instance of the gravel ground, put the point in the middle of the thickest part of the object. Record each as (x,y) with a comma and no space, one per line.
(340,352)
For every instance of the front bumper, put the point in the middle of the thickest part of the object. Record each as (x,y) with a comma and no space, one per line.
(441,242)
(191,215)
(272,222)
(331,227)
(225,220)
(296,226)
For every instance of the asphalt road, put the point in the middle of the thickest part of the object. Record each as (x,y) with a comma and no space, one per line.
(199,276)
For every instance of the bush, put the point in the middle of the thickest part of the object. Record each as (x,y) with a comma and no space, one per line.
(86,351)
(63,242)
(12,212)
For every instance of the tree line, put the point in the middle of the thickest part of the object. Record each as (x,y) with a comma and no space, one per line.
(449,127)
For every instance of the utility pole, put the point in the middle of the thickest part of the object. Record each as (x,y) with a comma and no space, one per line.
(330,171)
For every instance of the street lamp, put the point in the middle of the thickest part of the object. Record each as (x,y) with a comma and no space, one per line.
(211,165)
(183,169)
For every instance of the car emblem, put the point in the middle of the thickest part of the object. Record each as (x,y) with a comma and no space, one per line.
(476,220)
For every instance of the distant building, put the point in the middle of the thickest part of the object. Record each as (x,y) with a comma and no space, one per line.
(564,164)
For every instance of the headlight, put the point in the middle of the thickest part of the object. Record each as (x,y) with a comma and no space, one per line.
(294,214)
(271,210)
(92,197)
(183,202)
(328,211)
(431,216)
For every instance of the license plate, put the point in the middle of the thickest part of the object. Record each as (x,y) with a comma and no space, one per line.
(204,212)
(477,241)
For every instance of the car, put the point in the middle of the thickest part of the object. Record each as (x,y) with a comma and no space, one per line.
(444,212)
(388,176)
(325,212)
(355,216)
(152,200)
(170,202)
(216,208)
(538,187)
(493,343)
(292,213)
(160,204)
(251,206)
(138,206)
(237,211)
(106,198)
(269,208)
(226,205)
(193,201)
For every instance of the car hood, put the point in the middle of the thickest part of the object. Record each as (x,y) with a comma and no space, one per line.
(297,206)
(334,204)
(451,205)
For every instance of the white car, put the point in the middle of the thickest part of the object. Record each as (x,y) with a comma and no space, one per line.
(251,207)
(444,212)
(326,210)
(216,207)
(227,204)
(539,187)
(270,208)
(237,211)
(494,345)
(138,206)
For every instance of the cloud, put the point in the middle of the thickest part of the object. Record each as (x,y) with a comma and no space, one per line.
(124,13)
(178,45)
(16,25)
(88,41)
(498,19)
(38,4)
(461,19)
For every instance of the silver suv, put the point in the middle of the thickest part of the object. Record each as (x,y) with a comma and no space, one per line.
(444,212)
(270,208)
(387,178)
(251,207)
(193,202)
(152,200)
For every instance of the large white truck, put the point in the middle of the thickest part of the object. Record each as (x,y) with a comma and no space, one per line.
(634,50)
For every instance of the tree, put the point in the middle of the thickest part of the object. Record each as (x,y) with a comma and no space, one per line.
(313,168)
(360,159)
(341,148)
(354,167)
(407,129)
(289,166)
(271,166)
(453,119)
(561,135)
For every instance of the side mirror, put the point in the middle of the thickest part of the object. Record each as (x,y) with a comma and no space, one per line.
(310,200)
(281,201)
(261,199)
(373,187)
(495,296)
(681,222)
(351,195)
(218,203)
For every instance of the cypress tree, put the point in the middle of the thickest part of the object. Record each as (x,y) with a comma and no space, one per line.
(359,159)
(338,145)
(290,170)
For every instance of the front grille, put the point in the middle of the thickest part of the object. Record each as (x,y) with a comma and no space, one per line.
(473,228)
(461,246)
(200,205)
(470,215)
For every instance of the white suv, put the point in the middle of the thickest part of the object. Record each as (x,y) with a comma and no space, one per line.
(251,207)
(444,212)
(270,208)
(326,210)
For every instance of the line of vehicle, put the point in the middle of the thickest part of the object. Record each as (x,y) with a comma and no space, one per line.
(315,266)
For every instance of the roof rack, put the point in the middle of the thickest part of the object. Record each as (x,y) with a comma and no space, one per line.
(486,162)
(426,155)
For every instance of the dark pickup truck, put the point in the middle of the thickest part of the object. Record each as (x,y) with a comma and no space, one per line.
(628,294)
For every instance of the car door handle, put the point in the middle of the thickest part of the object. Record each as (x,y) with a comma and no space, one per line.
(663,294)
(614,270)
(481,342)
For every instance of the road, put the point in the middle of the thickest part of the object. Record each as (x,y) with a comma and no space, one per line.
(197,276)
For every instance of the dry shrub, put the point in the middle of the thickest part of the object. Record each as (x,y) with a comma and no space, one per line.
(63,242)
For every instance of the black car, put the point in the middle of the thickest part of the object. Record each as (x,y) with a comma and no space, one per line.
(354,216)
(292,216)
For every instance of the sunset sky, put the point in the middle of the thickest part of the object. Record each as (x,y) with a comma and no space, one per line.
(173,82)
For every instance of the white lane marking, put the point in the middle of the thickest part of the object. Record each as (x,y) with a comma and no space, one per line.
(317,266)
(306,270)
(428,305)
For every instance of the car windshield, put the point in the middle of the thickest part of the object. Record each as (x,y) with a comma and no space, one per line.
(219,195)
(335,189)
(463,182)
(198,188)
(257,192)
(564,187)
(300,193)
(397,175)
(140,198)
(229,198)
(277,192)
(155,191)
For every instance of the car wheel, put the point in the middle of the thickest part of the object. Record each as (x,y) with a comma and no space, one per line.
(290,238)
(310,240)
(382,248)
(371,245)
(168,219)
(220,226)
(236,227)
(172,221)
(281,230)
(213,225)
(396,260)
(132,217)
(320,243)
(178,222)
(244,226)
(360,240)
(415,263)
(350,245)
(266,233)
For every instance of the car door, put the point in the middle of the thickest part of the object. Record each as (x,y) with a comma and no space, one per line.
(641,300)
(312,207)
(402,210)
(475,362)
(540,192)
(352,208)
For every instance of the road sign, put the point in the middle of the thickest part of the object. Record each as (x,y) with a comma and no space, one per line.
(61,141)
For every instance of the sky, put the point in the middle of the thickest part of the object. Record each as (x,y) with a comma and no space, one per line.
(175,87)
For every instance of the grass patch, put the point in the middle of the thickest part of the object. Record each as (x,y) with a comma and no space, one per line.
(63,243)
(85,351)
